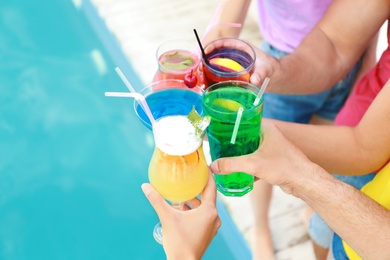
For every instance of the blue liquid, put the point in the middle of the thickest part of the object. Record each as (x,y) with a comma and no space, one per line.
(167,102)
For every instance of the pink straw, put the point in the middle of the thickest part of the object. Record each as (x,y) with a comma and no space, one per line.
(140,98)
(212,23)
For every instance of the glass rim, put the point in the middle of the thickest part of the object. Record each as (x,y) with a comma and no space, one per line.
(236,83)
(192,49)
(226,73)
(180,83)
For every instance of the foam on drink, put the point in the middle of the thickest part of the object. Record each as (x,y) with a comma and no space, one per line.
(175,135)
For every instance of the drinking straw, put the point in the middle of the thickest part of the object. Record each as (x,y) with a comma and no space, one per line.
(261,91)
(201,47)
(236,125)
(124,94)
(212,23)
(140,99)
(124,79)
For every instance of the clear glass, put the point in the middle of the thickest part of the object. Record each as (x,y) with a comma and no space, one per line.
(176,58)
(221,102)
(169,97)
(227,59)
(178,169)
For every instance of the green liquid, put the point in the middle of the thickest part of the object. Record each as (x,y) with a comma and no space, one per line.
(220,133)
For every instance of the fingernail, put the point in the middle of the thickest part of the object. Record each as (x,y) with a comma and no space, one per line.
(255,79)
(145,188)
(214,167)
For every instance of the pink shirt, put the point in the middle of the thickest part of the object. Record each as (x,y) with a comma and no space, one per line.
(284,23)
(365,90)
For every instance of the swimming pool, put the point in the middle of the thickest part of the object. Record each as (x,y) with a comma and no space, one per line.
(71,160)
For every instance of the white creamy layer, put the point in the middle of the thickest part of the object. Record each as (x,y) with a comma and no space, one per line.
(175,135)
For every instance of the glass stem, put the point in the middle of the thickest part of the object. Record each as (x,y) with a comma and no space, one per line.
(178,206)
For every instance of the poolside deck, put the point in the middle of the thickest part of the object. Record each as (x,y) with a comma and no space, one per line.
(140,26)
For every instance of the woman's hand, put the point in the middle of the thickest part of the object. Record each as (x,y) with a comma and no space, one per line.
(188,233)
(266,66)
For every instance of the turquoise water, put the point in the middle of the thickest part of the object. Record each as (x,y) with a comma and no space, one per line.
(71,160)
(170,102)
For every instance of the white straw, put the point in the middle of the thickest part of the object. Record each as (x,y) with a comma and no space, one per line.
(261,91)
(236,125)
(124,79)
(140,98)
(137,96)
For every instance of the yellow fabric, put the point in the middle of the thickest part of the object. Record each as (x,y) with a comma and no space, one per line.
(379,190)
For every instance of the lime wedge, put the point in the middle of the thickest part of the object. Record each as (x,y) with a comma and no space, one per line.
(200,123)
(177,61)
(227,104)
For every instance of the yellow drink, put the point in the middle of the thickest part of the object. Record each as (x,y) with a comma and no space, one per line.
(178,178)
(178,168)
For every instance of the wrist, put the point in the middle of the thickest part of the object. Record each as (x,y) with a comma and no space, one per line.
(312,182)
(181,254)
(276,78)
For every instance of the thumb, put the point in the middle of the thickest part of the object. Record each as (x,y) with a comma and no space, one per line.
(233,164)
(255,79)
(155,199)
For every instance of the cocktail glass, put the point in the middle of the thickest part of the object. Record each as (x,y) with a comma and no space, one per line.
(177,58)
(221,102)
(178,168)
(167,98)
(227,59)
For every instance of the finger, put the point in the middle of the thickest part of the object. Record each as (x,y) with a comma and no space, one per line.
(209,194)
(255,79)
(250,163)
(185,207)
(194,203)
(257,162)
(155,199)
(229,165)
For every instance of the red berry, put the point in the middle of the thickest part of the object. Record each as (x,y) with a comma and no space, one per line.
(190,80)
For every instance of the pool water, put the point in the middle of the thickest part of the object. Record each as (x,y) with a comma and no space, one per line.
(72,160)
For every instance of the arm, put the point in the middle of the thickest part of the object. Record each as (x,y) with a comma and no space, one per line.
(328,52)
(349,212)
(347,150)
(369,58)
(356,218)
(188,233)
(232,11)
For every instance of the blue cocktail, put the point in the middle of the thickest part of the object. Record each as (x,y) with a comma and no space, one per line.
(169,97)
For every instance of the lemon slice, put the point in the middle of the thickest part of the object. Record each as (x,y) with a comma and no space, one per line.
(227,63)
(227,104)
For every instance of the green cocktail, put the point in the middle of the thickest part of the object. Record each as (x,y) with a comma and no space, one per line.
(222,102)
